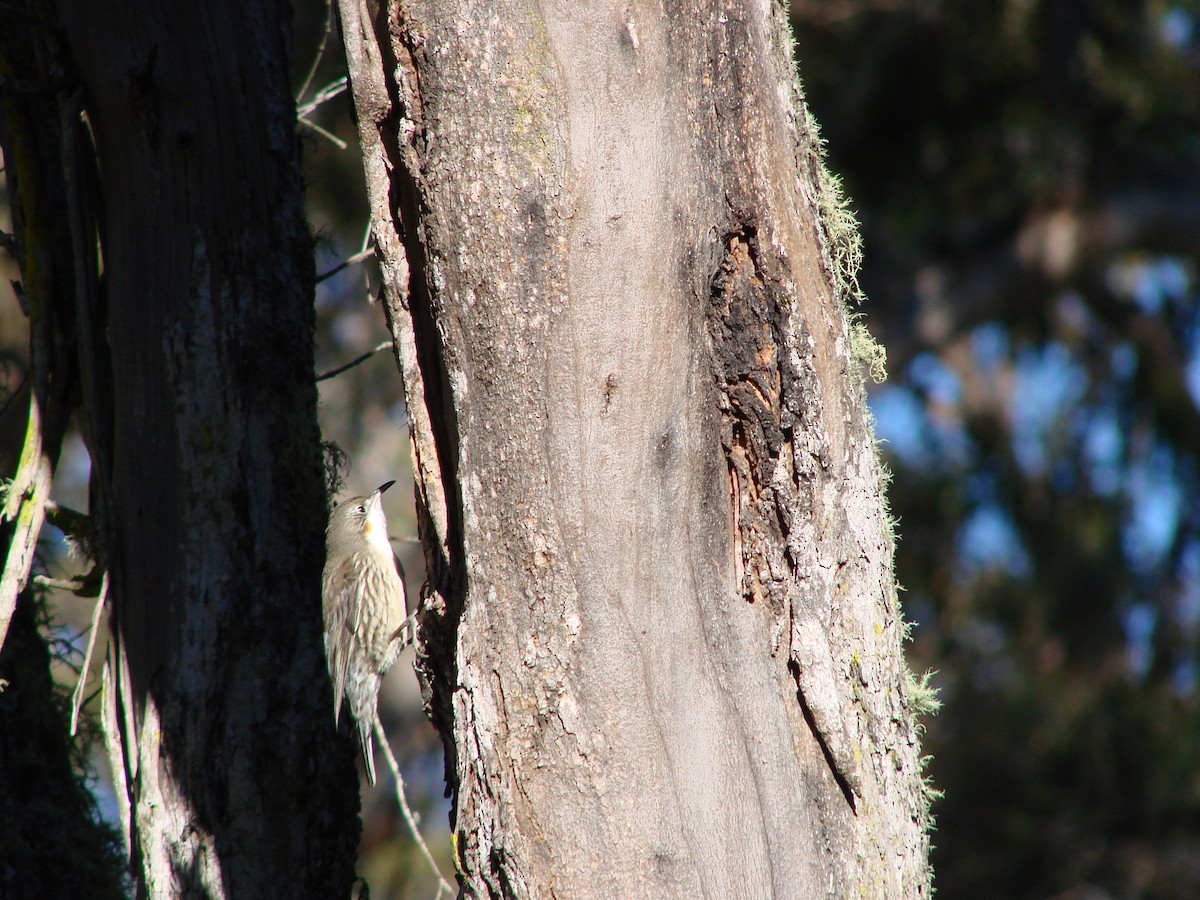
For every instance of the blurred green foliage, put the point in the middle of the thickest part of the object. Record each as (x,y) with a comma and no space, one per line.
(1027,174)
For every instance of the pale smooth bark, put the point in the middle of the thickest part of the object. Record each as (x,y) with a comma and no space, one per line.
(662,642)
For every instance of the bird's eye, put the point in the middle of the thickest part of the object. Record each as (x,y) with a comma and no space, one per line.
(362,509)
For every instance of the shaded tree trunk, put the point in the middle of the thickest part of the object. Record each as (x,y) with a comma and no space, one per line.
(195,354)
(662,642)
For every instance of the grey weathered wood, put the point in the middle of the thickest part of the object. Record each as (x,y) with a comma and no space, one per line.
(200,412)
(663,645)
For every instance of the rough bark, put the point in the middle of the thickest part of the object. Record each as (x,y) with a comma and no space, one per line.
(662,642)
(195,352)
(52,841)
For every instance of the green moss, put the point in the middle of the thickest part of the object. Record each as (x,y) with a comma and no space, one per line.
(923,701)
(869,353)
(922,696)
(841,229)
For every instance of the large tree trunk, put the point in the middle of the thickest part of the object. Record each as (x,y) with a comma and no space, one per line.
(663,645)
(200,413)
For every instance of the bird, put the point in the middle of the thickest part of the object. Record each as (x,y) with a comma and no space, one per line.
(365,607)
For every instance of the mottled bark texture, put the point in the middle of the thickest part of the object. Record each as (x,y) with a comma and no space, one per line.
(662,641)
(176,145)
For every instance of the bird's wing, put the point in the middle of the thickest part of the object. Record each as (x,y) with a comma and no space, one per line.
(342,608)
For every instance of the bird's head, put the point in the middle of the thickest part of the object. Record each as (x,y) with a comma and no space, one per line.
(361,518)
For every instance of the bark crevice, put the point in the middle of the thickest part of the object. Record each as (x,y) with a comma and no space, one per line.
(657,443)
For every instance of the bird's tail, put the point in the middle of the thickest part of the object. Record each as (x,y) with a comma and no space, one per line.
(364,738)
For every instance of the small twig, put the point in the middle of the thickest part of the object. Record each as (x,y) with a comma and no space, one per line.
(328,135)
(74,585)
(366,242)
(443,885)
(312,70)
(77,696)
(324,95)
(345,264)
(354,362)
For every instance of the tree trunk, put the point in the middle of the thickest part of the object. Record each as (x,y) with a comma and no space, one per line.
(662,641)
(200,414)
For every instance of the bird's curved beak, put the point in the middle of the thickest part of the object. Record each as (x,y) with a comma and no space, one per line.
(383,487)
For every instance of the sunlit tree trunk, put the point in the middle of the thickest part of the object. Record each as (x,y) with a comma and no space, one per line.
(199,408)
(662,641)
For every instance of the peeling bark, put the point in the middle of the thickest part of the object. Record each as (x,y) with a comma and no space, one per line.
(661,640)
